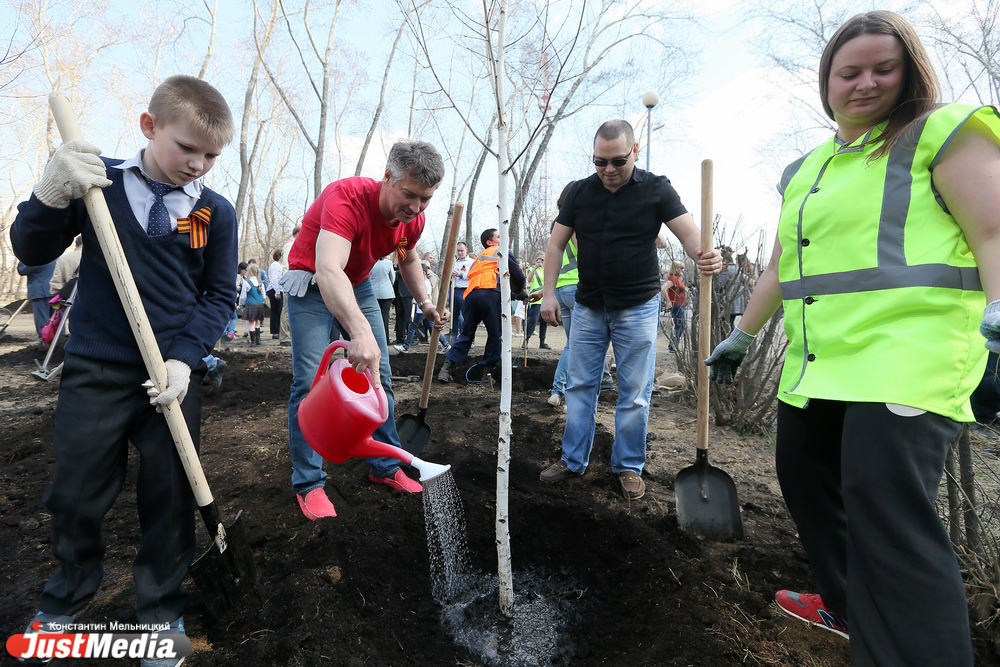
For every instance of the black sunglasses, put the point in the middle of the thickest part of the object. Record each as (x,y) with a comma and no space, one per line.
(616,161)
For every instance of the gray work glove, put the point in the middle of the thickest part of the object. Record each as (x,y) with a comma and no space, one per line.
(178,377)
(728,355)
(296,282)
(74,168)
(990,328)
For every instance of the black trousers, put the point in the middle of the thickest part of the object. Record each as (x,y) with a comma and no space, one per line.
(985,399)
(102,408)
(534,312)
(483,305)
(860,480)
(384,305)
(403,305)
(276,303)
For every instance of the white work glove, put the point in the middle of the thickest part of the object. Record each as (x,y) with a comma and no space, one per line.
(178,377)
(296,282)
(990,327)
(74,168)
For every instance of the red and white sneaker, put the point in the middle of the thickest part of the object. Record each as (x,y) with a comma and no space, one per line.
(315,505)
(398,481)
(810,608)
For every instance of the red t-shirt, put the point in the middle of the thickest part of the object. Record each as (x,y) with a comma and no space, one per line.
(349,209)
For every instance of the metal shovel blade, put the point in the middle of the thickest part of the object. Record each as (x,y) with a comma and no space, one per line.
(414,433)
(223,576)
(707,503)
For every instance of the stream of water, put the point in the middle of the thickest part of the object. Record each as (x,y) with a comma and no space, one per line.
(544,606)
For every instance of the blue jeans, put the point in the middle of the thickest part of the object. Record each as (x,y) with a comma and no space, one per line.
(42,312)
(678,318)
(310,322)
(632,333)
(231,327)
(566,297)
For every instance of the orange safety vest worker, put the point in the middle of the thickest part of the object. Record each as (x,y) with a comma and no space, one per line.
(485,271)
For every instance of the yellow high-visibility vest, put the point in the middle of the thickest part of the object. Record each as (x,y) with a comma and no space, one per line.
(881,293)
(569,274)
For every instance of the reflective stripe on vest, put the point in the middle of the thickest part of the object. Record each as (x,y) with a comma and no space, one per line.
(568,273)
(881,293)
(537,280)
(484,271)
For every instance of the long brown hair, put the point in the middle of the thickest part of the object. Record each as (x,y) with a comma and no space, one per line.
(920,92)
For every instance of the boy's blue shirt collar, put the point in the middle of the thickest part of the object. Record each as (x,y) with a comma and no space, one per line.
(192,189)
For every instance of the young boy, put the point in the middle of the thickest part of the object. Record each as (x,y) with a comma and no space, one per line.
(180,239)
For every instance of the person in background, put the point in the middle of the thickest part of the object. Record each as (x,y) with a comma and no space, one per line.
(382,278)
(887,266)
(274,272)
(460,280)
(423,325)
(67,267)
(519,308)
(482,304)
(38,292)
(241,272)
(252,300)
(675,294)
(285,333)
(536,279)
(403,304)
(171,226)
(732,284)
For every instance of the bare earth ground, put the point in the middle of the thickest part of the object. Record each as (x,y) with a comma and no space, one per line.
(356,589)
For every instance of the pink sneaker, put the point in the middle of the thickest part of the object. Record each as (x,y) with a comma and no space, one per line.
(315,505)
(398,481)
(810,608)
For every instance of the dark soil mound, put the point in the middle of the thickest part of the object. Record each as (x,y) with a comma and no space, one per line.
(356,590)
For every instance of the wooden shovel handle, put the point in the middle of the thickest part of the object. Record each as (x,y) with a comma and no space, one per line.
(704,305)
(449,264)
(128,293)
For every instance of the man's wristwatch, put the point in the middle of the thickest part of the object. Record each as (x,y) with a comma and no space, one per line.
(422,304)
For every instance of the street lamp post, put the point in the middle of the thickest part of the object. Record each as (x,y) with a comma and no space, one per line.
(649,101)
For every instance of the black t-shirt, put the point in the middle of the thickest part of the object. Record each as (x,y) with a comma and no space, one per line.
(616,237)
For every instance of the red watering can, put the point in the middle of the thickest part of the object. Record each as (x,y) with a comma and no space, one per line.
(342,411)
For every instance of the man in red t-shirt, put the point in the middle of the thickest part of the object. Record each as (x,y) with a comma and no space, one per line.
(353,223)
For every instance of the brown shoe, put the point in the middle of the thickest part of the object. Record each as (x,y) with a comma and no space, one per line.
(633,487)
(557,472)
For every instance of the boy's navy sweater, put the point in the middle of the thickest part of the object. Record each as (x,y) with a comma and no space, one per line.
(187,293)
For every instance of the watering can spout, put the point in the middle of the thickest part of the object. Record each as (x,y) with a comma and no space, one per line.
(428,470)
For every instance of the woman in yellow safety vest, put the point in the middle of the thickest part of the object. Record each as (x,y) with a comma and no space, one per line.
(886,256)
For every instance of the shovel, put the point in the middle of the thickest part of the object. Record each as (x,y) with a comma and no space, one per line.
(414,433)
(707,503)
(10,318)
(226,570)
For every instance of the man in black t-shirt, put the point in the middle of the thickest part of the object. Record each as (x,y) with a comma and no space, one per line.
(617,214)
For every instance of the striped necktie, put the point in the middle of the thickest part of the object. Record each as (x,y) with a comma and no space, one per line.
(159,218)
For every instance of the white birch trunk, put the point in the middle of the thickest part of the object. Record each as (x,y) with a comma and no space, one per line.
(505,583)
